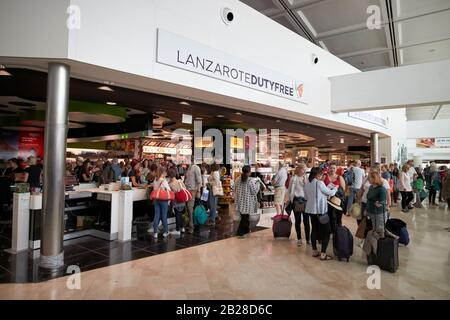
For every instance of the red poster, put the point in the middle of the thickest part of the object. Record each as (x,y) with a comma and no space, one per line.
(31,144)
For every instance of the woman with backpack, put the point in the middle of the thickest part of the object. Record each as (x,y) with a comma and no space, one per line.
(418,186)
(245,191)
(296,194)
(316,195)
(215,189)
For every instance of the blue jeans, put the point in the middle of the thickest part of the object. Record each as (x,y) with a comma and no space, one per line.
(213,200)
(161,208)
(351,197)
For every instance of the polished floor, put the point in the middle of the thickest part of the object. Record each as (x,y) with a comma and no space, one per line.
(259,267)
(90,253)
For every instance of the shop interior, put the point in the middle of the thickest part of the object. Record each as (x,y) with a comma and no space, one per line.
(110,122)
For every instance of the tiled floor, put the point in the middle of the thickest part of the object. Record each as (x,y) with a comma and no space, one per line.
(90,253)
(260,267)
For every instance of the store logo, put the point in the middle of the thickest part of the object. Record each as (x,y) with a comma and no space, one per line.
(299,90)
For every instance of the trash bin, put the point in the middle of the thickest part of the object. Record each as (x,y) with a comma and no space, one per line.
(142,225)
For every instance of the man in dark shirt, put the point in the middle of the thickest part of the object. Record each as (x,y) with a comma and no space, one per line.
(34,173)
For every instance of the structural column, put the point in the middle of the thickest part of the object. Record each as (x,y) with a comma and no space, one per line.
(374,150)
(56,118)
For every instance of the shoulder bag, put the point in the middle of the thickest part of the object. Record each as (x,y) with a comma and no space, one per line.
(162,194)
(323,218)
(217,189)
(184,194)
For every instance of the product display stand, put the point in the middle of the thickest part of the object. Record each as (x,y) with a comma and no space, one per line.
(21,223)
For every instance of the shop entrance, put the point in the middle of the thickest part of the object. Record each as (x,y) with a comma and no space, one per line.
(115,130)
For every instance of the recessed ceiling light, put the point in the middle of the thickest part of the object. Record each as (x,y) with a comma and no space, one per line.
(108,83)
(160,112)
(368,141)
(238,113)
(278,120)
(342,140)
(199,118)
(105,88)
(220,116)
(185,103)
(328,134)
(2,66)
(356,139)
(111,103)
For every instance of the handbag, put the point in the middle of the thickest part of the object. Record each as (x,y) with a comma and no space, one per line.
(323,218)
(299,206)
(361,231)
(184,194)
(217,190)
(162,194)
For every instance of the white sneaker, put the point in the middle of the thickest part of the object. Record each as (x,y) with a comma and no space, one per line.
(299,243)
(176,233)
(182,230)
(165,234)
(155,235)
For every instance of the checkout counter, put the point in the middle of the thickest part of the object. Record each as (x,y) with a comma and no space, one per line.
(111,209)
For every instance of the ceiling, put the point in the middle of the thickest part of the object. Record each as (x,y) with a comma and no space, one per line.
(25,91)
(410,32)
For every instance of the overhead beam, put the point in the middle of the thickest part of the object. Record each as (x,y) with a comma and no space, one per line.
(436,112)
(406,86)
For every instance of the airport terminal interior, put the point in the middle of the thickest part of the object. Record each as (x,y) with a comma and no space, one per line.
(273,150)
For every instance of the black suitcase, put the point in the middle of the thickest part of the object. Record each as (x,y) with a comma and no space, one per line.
(387,255)
(282,226)
(343,243)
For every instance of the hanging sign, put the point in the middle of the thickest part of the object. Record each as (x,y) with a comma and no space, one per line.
(181,52)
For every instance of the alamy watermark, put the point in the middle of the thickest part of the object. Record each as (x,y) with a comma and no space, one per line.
(374,20)
(73,22)
(216,146)
(374,280)
(73,281)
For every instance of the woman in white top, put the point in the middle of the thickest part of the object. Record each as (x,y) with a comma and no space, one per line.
(296,194)
(405,187)
(316,194)
(213,180)
(161,206)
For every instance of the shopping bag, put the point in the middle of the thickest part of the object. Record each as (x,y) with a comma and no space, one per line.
(205,194)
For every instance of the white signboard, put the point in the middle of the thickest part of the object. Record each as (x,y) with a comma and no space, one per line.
(151,149)
(370,117)
(443,142)
(181,52)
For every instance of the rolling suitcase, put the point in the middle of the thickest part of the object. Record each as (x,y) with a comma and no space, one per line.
(387,255)
(282,226)
(343,243)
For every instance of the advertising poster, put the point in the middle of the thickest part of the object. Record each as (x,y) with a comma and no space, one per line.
(9,145)
(442,142)
(31,144)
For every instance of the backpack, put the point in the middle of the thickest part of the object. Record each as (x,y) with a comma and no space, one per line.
(349,177)
(437,182)
(200,215)
(419,184)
